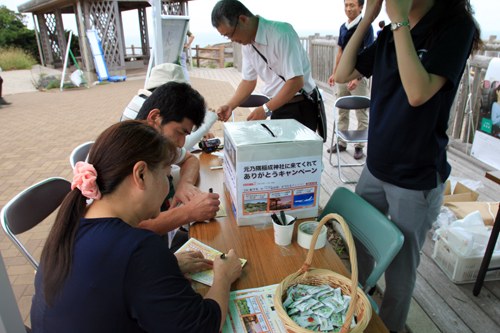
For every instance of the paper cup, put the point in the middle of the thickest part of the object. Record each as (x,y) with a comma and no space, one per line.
(283,233)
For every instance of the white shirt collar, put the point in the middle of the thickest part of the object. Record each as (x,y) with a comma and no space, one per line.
(260,36)
(353,23)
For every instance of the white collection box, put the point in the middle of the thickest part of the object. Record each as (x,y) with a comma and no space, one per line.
(269,166)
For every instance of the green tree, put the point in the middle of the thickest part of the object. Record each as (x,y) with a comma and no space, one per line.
(14,33)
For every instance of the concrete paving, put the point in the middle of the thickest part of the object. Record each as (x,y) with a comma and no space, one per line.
(39,131)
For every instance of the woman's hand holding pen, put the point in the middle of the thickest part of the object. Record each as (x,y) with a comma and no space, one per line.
(229,267)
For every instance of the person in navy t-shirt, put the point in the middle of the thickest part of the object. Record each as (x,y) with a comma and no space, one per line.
(416,65)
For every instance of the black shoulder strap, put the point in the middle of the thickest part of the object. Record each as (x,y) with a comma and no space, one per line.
(301,91)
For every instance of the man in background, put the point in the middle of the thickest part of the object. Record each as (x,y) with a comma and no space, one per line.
(358,86)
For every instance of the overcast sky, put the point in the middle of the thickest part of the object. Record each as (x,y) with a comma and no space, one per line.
(323,16)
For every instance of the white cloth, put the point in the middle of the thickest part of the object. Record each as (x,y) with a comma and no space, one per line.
(281,46)
(354,22)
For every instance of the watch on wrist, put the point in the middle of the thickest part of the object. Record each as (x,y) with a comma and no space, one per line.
(268,112)
(396,25)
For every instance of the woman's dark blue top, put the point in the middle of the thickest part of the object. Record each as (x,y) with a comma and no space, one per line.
(123,279)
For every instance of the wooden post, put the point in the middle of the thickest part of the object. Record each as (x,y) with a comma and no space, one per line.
(197,56)
(464,93)
(133,51)
(221,56)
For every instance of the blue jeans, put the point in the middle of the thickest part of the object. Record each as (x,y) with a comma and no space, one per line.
(413,212)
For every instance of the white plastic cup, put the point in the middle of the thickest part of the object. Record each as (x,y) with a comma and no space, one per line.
(283,233)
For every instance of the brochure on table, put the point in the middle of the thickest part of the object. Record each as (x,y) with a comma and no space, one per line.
(271,166)
(205,277)
(252,310)
(486,146)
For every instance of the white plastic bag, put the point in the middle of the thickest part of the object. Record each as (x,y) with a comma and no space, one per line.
(76,77)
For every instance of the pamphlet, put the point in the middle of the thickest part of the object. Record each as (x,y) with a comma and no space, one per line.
(205,277)
(252,310)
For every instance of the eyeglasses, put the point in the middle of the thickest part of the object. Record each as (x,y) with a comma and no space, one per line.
(234,30)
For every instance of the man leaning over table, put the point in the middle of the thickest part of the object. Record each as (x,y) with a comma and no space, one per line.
(177,109)
(356,87)
(280,45)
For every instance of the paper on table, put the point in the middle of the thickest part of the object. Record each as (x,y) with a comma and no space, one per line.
(253,309)
(205,277)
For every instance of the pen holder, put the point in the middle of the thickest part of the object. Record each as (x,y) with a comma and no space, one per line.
(283,233)
(314,277)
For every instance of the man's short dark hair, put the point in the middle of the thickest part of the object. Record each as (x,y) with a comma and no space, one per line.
(381,24)
(175,101)
(360,2)
(228,12)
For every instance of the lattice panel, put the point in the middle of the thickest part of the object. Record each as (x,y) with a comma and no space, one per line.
(51,24)
(172,8)
(103,19)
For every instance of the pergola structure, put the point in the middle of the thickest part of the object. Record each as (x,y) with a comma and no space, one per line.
(101,15)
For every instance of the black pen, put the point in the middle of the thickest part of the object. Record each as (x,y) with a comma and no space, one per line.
(292,221)
(210,190)
(275,219)
(283,217)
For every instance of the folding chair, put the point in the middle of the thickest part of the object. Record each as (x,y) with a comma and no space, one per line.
(370,227)
(80,153)
(355,136)
(254,101)
(32,206)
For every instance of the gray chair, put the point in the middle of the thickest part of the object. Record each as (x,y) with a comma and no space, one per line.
(80,153)
(369,227)
(254,101)
(32,206)
(354,136)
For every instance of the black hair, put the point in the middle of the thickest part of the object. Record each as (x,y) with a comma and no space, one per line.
(113,155)
(176,101)
(381,24)
(228,12)
(457,11)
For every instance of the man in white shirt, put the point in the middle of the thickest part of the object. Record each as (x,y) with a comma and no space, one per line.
(272,51)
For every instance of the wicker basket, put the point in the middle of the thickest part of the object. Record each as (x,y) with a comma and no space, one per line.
(313,277)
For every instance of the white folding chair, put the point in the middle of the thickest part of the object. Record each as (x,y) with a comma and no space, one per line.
(354,136)
(80,153)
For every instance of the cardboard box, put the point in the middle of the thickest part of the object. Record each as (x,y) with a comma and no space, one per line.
(267,170)
(461,193)
(488,210)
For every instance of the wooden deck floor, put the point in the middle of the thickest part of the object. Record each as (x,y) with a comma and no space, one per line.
(451,307)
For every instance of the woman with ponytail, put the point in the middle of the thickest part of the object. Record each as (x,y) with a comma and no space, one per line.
(99,272)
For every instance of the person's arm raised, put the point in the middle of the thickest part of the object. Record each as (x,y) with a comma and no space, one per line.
(418,84)
(347,66)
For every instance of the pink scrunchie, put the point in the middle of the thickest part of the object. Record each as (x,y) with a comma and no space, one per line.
(85,180)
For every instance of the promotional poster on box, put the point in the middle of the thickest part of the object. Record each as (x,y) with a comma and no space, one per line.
(267,186)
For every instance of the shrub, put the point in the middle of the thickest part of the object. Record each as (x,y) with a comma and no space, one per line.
(15,58)
(228,64)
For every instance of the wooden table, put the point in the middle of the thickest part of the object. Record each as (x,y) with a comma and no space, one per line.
(267,263)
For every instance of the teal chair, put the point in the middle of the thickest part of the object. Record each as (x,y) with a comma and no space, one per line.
(372,228)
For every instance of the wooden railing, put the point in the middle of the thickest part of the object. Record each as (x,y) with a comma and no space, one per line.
(322,52)
(464,113)
(220,58)
(134,55)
